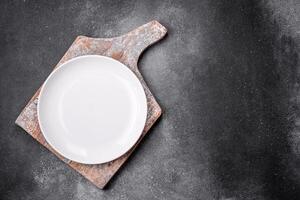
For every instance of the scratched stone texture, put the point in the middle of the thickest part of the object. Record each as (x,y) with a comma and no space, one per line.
(226,77)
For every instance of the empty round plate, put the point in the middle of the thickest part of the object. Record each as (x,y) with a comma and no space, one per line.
(92,109)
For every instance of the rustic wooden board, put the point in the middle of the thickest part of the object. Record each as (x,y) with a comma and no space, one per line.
(127,49)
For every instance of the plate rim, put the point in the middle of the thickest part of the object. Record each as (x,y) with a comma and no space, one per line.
(100,161)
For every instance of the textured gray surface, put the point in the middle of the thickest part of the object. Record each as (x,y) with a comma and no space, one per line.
(227,76)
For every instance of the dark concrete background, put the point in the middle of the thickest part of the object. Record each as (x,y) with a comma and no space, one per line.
(228,79)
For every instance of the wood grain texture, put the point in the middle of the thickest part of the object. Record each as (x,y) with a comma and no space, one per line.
(126,49)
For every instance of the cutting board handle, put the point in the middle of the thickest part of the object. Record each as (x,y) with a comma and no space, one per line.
(137,40)
(126,48)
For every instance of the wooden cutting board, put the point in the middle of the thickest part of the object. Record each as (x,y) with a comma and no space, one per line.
(126,49)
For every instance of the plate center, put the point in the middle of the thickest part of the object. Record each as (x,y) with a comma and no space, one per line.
(107,109)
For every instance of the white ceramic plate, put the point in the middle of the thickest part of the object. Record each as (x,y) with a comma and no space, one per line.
(92,109)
